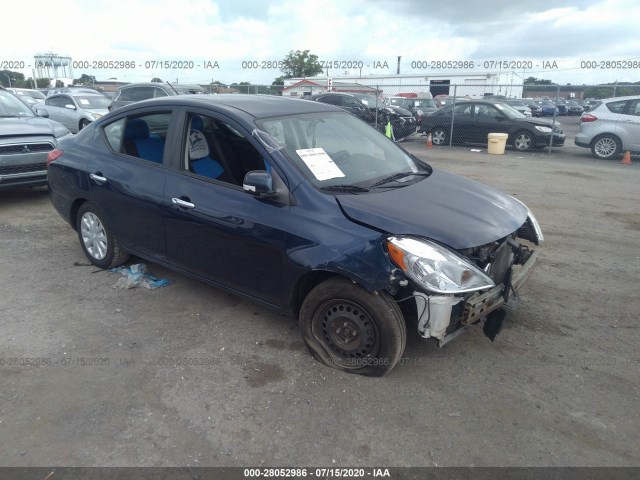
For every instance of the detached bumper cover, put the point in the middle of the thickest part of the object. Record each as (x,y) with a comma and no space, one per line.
(481,304)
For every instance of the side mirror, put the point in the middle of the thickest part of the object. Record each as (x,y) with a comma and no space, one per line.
(70,106)
(258,183)
(42,112)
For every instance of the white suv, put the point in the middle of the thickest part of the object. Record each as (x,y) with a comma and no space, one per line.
(611,127)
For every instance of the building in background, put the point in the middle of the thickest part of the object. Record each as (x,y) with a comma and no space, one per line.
(472,84)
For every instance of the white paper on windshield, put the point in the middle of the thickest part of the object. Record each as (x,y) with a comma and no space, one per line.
(84,101)
(320,163)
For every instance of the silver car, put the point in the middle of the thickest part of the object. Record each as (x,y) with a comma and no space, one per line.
(611,127)
(76,111)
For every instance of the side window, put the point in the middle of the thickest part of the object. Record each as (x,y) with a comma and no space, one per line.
(124,95)
(216,150)
(350,102)
(55,101)
(141,93)
(462,108)
(113,131)
(158,92)
(618,107)
(140,136)
(330,99)
(634,108)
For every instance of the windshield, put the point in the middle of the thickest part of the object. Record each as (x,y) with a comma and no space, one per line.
(368,100)
(338,149)
(425,103)
(10,106)
(92,102)
(400,102)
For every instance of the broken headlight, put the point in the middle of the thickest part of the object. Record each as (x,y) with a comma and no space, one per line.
(436,268)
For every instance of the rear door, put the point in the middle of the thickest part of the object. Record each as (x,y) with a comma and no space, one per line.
(626,117)
(128,183)
(55,108)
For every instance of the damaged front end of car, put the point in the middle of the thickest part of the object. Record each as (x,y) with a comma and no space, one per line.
(457,288)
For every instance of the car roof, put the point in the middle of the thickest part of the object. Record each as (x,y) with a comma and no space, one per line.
(158,84)
(257,106)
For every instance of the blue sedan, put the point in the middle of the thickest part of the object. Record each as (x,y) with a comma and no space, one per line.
(302,207)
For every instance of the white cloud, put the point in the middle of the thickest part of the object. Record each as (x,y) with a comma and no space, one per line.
(371,31)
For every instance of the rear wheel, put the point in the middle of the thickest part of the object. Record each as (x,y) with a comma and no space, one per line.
(523,141)
(606,146)
(351,329)
(439,136)
(97,241)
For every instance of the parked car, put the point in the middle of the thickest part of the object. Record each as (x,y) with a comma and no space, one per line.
(135,92)
(520,106)
(23,93)
(561,104)
(365,106)
(583,103)
(549,109)
(74,90)
(417,106)
(536,110)
(611,127)
(25,141)
(29,101)
(75,111)
(302,207)
(475,119)
(574,108)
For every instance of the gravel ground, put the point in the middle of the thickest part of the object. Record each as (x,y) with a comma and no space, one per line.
(559,386)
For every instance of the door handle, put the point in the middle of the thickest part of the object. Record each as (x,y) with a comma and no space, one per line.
(97,178)
(182,203)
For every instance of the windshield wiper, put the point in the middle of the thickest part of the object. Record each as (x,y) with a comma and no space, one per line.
(399,175)
(344,188)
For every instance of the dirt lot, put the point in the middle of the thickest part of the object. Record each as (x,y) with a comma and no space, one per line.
(559,386)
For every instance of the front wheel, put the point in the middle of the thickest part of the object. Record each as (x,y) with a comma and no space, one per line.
(605,146)
(523,141)
(98,243)
(83,123)
(439,136)
(348,328)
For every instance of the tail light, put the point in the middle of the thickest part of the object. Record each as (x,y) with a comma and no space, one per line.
(53,155)
(587,117)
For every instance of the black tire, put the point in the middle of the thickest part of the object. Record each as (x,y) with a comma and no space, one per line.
(98,243)
(350,329)
(439,136)
(606,146)
(523,141)
(83,123)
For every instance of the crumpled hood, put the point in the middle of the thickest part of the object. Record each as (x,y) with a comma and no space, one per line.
(21,126)
(447,208)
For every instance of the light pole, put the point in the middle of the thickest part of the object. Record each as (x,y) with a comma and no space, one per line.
(9,78)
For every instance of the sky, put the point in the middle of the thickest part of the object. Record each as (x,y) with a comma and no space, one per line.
(574,41)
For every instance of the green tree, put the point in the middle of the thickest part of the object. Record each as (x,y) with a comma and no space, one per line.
(85,80)
(156,80)
(59,84)
(17,78)
(537,81)
(300,64)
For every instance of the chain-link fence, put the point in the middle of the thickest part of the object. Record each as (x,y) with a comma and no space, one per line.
(530,117)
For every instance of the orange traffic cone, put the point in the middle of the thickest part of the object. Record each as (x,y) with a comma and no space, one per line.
(429,141)
(626,160)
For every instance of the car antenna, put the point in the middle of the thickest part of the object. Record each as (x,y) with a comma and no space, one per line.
(167,82)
